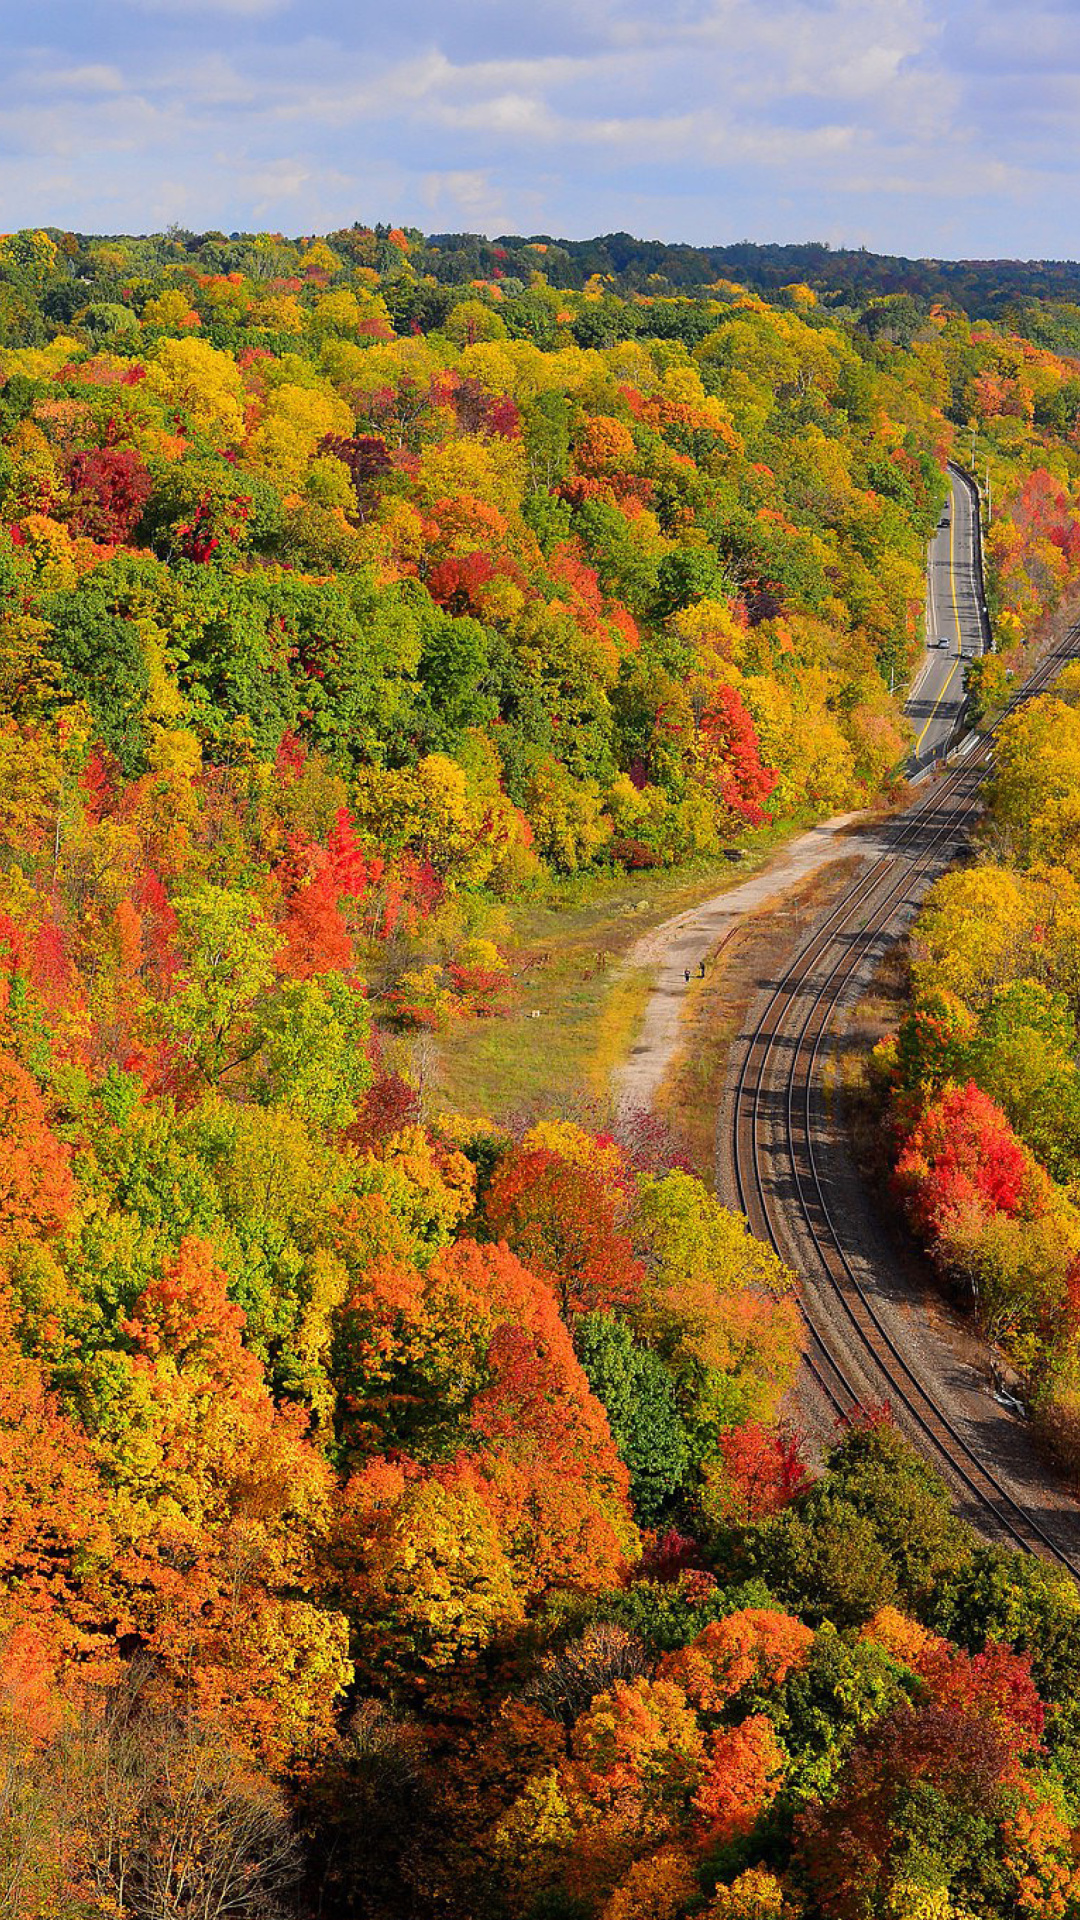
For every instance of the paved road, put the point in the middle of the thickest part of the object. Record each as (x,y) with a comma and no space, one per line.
(955,623)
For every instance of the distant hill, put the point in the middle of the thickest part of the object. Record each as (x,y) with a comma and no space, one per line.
(844,276)
(845,279)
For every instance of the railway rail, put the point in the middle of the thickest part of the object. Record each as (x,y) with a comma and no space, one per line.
(776,1161)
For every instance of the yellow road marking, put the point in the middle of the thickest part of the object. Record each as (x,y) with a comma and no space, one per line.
(938,702)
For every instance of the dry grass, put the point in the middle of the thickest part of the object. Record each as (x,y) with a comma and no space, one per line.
(576,1008)
(692,1091)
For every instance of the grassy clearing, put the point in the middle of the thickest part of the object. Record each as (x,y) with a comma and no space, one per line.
(576,1007)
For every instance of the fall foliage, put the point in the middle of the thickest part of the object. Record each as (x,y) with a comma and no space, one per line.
(396,1516)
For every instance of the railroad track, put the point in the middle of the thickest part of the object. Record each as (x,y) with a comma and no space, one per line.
(776,1162)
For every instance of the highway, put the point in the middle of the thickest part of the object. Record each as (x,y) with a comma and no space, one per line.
(956,627)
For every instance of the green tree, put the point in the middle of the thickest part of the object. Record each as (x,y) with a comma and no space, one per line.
(228,947)
(638,1395)
(314,1049)
(103,661)
(877,1529)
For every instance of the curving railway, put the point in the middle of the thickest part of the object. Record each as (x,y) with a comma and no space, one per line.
(780,1159)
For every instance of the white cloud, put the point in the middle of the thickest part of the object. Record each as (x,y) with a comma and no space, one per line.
(90,79)
(211,81)
(228,9)
(463,198)
(515,114)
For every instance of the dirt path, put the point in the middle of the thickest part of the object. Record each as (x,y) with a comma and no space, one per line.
(677,947)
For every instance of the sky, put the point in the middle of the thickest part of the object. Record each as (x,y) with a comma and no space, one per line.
(942,128)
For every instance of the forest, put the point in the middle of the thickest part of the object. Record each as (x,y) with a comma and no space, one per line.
(842,277)
(401,1514)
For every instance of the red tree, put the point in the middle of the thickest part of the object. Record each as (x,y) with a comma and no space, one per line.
(763,1471)
(563,1221)
(745,782)
(36,1187)
(314,937)
(110,488)
(995,1685)
(456,583)
(756,1646)
(187,1316)
(963,1152)
(539,1449)
(746,1765)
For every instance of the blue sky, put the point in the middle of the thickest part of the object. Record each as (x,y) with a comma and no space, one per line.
(948,128)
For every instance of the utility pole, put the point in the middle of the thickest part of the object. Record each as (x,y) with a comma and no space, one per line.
(989,496)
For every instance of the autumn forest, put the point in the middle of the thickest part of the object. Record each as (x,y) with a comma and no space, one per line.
(404,1510)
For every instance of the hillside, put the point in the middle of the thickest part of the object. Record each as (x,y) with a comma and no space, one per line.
(399,1515)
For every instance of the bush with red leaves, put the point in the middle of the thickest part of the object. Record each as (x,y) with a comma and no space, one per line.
(109,489)
(964,1154)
